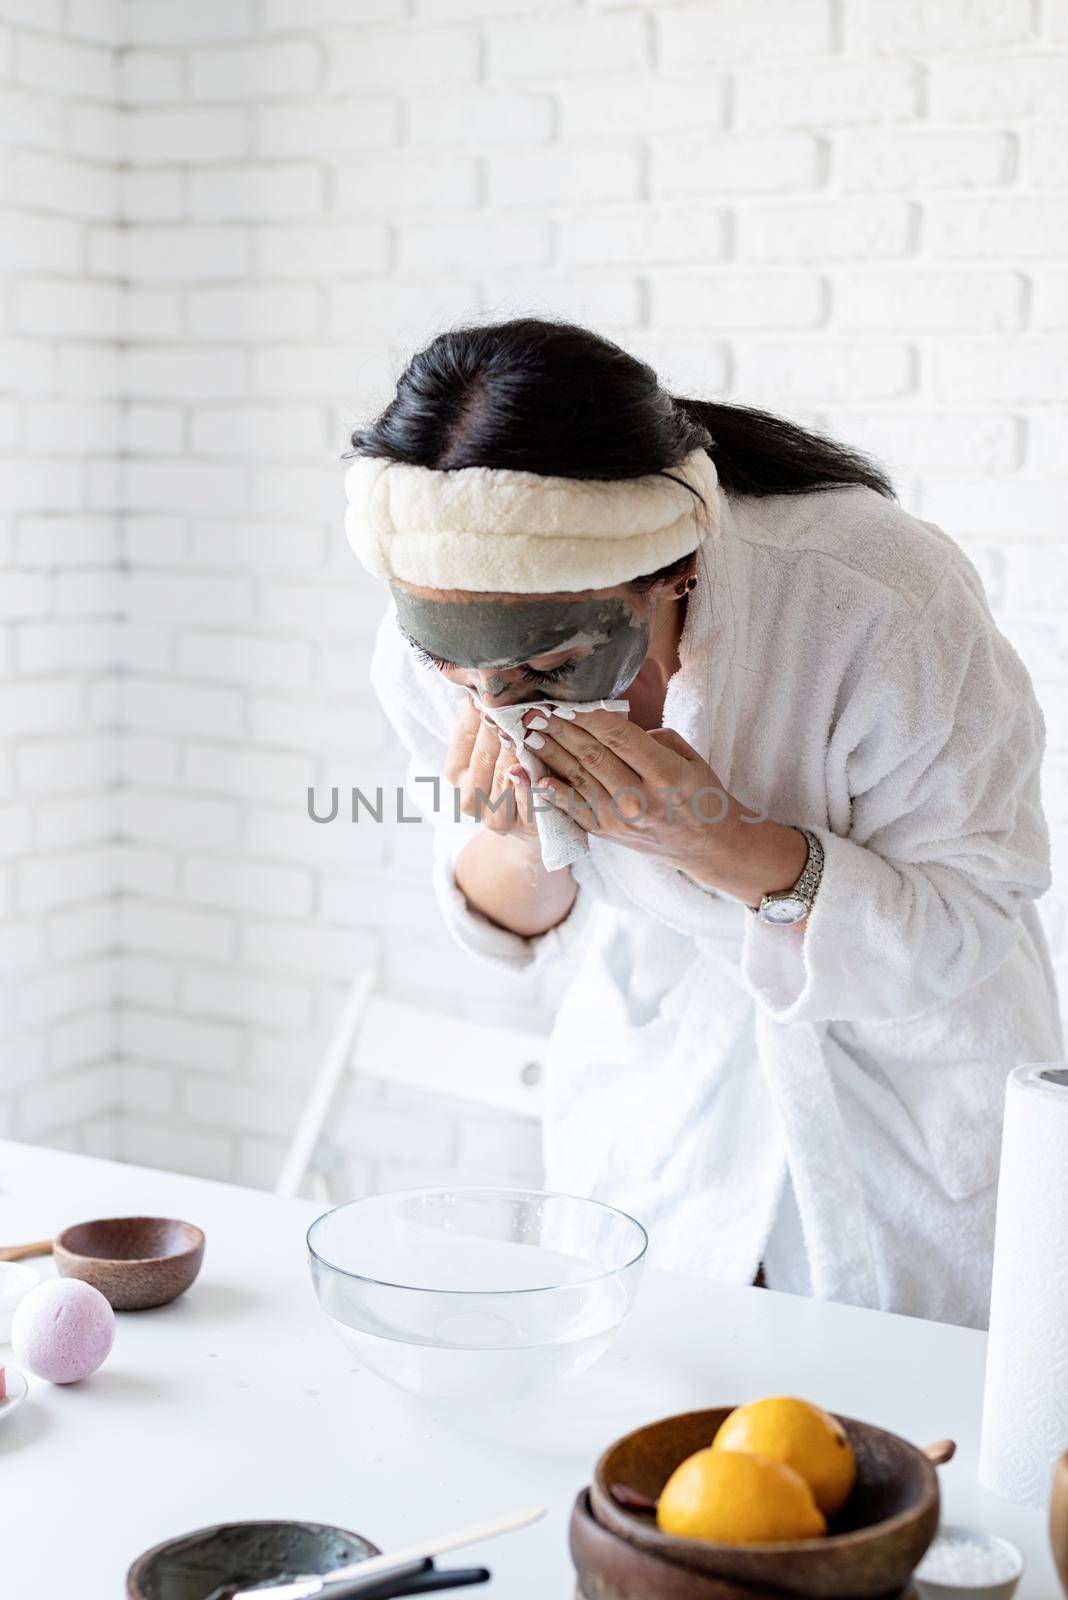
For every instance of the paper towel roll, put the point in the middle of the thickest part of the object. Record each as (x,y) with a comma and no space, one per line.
(1025,1405)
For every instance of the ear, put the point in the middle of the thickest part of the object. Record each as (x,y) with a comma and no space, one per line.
(685,581)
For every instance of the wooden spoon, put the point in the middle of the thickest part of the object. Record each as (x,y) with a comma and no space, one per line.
(20,1252)
(938,1454)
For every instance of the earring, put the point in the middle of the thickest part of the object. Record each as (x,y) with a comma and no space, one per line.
(686,588)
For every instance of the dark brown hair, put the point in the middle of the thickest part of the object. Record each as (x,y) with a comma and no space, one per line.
(555,398)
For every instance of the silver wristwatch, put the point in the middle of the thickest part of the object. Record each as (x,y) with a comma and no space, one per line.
(792,905)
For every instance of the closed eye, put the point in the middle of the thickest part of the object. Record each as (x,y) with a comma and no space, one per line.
(427,659)
(532,675)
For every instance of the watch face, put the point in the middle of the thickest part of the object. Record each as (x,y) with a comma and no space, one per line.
(788,909)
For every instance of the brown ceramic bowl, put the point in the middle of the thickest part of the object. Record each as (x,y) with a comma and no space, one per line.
(135,1262)
(611,1568)
(873,1545)
(241,1554)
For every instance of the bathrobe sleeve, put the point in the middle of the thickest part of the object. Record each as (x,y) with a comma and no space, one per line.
(934,764)
(423,709)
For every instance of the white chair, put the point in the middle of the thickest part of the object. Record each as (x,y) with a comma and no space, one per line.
(394,1042)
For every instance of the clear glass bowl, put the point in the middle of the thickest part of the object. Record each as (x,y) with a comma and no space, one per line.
(476,1294)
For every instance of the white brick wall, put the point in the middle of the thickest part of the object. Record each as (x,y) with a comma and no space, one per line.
(58,591)
(225,225)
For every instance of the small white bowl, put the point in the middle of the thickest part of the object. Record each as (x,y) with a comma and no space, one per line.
(999,1589)
(17,1390)
(16,1281)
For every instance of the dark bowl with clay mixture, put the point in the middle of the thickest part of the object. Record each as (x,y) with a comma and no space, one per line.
(241,1555)
(135,1262)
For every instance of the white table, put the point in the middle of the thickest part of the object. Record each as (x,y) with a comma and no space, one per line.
(239,1401)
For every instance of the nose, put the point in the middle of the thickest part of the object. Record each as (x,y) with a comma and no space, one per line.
(502,697)
(516,693)
(499,686)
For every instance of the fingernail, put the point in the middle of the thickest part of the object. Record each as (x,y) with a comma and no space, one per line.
(538,722)
(567,714)
(534,741)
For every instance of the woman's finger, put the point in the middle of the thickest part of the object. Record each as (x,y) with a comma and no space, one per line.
(458,758)
(566,766)
(668,739)
(501,811)
(633,746)
(610,772)
(553,791)
(519,779)
(680,755)
(478,781)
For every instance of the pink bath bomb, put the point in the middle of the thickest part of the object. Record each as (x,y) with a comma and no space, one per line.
(63,1330)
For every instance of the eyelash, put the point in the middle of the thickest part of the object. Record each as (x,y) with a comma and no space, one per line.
(428,660)
(530,674)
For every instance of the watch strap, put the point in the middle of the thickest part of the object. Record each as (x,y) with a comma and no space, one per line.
(808,881)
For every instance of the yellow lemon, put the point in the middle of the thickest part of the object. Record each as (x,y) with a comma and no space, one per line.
(801,1436)
(737,1499)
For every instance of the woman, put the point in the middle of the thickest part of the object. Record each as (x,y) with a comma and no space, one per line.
(791,1014)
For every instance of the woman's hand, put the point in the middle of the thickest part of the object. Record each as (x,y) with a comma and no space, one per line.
(500,872)
(654,793)
(481,762)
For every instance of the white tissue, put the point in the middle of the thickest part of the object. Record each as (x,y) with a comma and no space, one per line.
(1025,1406)
(562,839)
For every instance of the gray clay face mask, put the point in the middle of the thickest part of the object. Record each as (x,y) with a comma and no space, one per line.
(610,642)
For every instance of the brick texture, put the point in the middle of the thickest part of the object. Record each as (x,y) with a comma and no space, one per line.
(59,590)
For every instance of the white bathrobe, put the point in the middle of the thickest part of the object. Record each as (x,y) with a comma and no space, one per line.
(827,1103)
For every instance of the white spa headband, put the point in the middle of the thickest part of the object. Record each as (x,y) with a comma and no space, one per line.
(493,530)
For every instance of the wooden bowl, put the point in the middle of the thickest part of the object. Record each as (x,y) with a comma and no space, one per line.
(873,1545)
(241,1553)
(611,1568)
(135,1262)
(1058,1519)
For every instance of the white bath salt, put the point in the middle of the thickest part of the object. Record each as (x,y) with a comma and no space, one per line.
(953,1559)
